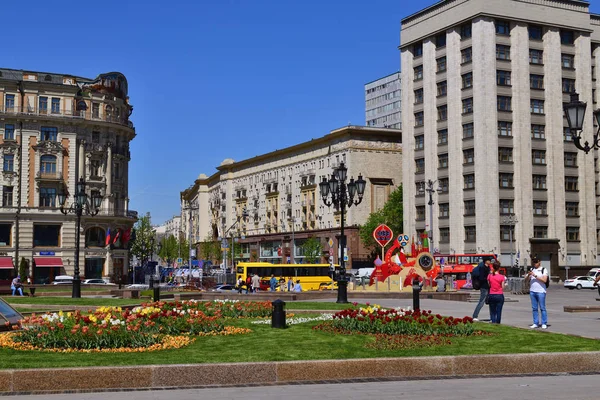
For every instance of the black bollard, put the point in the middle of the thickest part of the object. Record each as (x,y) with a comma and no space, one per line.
(278,314)
(416,287)
(156,288)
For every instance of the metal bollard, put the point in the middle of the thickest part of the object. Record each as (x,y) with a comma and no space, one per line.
(156,288)
(416,287)
(278,314)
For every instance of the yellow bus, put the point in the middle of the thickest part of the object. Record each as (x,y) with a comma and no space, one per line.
(309,275)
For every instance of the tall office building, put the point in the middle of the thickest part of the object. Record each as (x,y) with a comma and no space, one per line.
(483,87)
(382,102)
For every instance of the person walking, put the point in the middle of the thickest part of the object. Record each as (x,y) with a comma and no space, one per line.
(255,283)
(497,281)
(483,269)
(290,284)
(537,277)
(273,283)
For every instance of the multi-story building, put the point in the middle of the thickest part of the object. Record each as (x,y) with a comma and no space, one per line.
(280,195)
(483,87)
(382,102)
(173,226)
(56,129)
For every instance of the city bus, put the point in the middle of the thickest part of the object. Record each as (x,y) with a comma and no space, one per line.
(311,276)
(455,267)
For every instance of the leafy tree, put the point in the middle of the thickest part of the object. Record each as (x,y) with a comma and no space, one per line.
(391,214)
(24,269)
(312,250)
(169,250)
(141,246)
(210,249)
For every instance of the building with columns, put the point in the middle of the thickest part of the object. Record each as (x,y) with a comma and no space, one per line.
(280,194)
(483,87)
(56,129)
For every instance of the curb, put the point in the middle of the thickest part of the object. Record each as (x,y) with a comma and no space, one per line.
(22,381)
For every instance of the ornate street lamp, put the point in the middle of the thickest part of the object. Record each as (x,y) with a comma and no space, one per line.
(511,221)
(341,195)
(81,204)
(575,113)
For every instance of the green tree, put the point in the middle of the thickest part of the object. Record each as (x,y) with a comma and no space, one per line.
(141,246)
(391,214)
(210,249)
(24,269)
(312,250)
(169,250)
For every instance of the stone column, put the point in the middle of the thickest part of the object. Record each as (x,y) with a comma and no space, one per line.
(81,161)
(109,159)
(408,141)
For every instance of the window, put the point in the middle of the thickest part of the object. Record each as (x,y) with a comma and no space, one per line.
(535,32)
(47,197)
(505,154)
(540,208)
(9,163)
(95,110)
(46,235)
(466,31)
(502,52)
(467,80)
(420,213)
(5,235)
(539,157)
(9,102)
(469,181)
(419,142)
(567,135)
(95,167)
(502,27)
(469,208)
(468,130)
(95,237)
(570,159)
(440,40)
(419,165)
(469,156)
(503,78)
(418,190)
(95,137)
(504,128)
(466,55)
(537,106)
(507,233)
(9,132)
(470,234)
(443,160)
(55,106)
(504,103)
(539,182)
(442,88)
(43,105)
(418,96)
(443,185)
(567,37)
(418,49)
(467,105)
(444,210)
(442,113)
(419,119)
(568,85)
(536,56)
(572,209)
(572,234)
(568,61)
(48,164)
(441,64)
(48,133)
(571,184)
(538,131)
(7,196)
(443,136)
(536,81)
(540,232)
(506,180)
(418,72)
(444,235)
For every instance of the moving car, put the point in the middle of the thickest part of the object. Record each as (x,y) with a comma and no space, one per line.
(580,282)
(63,280)
(96,282)
(223,288)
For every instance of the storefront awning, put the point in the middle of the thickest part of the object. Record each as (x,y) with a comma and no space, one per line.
(48,261)
(6,263)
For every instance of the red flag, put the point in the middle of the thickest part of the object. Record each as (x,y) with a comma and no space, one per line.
(107,237)
(413,249)
(117,236)
(126,236)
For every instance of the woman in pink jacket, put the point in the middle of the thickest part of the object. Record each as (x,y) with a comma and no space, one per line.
(497,282)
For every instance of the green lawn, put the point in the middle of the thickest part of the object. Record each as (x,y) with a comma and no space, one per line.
(300,342)
(68,301)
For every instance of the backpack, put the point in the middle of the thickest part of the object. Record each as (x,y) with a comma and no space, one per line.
(475,278)
(547,280)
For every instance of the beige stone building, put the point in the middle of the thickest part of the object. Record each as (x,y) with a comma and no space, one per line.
(279,190)
(483,87)
(54,130)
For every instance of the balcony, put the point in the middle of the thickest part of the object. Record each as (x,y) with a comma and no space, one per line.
(308,203)
(49,176)
(107,212)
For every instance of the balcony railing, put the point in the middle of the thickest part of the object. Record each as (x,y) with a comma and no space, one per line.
(107,212)
(60,112)
(49,176)
(121,150)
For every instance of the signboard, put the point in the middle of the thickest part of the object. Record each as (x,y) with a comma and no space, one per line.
(331,252)
(192,253)
(47,253)
(330,242)
(175,265)
(224,244)
(383,235)
(179,260)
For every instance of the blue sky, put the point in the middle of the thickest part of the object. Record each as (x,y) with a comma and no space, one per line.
(214,79)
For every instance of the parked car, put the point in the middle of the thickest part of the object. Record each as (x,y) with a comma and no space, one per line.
(223,288)
(580,282)
(63,280)
(96,282)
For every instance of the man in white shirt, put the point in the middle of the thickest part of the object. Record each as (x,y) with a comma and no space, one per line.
(538,276)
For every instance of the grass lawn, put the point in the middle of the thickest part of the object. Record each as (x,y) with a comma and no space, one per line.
(68,301)
(300,342)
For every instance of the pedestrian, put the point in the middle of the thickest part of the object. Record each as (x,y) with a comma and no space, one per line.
(255,283)
(497,281)
(248,284)
(290,284)
(596,284)
(240,282)
(16,286)
(537,277)
(297,286)
(484,287)
(441,284)
(281,284)
(273,283)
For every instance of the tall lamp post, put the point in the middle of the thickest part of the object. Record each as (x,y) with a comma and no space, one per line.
(511,221)
(293,222)
(336,192)
(191,206)
(82,204)
(575,113)
(245,214)
(429,188)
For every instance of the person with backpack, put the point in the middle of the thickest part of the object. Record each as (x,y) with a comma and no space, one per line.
(497,281)
(479,278)
(538,282)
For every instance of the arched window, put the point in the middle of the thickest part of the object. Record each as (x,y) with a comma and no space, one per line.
(48,164)
(95,237)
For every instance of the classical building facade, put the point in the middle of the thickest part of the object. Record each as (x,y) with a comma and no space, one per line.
(56,129)
(382,102)
(483,87)
(280,195)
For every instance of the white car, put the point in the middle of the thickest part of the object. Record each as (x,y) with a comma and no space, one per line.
(96,282)
(63,280)
(580,282)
